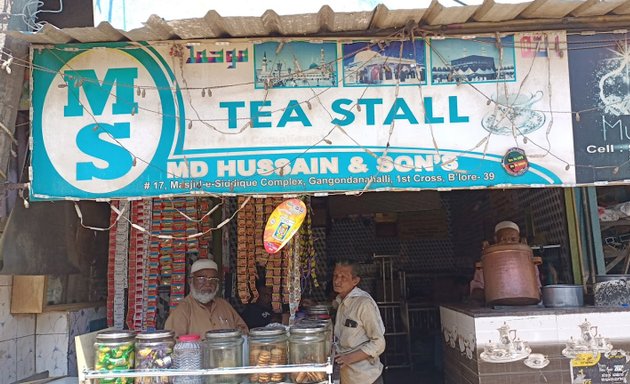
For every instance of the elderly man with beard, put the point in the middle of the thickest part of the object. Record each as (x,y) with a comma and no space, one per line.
(201,311)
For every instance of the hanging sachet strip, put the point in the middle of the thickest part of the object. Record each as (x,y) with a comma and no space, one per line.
(250,225)
(132,271)
(205,223)
(276,265)
(138,254)
(149,295)
(178,272)
(260,220)
(166,247)
(294,273)
(121,265)
(242,249)
(153,265)
(111,264)
(308,261)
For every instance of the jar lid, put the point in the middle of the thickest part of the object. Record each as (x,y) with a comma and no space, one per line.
(315,316)
(318,309)
(113,334)
(306,329)
(222,333)
(191,337)
(316,322)
(152,335)
(268,331)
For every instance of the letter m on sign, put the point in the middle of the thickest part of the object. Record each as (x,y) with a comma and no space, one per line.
(97,93)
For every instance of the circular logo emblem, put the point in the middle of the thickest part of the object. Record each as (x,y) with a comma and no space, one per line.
(515,162)
(98,129)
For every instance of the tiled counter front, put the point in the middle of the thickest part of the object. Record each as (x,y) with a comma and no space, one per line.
(17,339)
(56,330)
(535,345)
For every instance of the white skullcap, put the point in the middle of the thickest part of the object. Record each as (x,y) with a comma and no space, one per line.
(203,264)
(506,224)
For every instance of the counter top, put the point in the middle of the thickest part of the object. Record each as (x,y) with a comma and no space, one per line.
(531,310)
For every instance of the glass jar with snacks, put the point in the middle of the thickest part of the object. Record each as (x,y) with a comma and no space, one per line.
(187,355)
(321,314)
(223,349)
(328,329)
(114,351)
(307,343)
(153,351)
(267,347)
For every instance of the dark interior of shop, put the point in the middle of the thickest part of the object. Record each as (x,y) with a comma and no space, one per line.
(417,250)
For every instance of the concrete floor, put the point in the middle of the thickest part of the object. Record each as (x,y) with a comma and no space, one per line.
(406,376)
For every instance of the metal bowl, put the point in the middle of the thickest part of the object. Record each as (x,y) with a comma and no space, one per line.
(563,295)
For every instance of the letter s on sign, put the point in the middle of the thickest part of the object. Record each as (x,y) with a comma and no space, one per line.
(90,142)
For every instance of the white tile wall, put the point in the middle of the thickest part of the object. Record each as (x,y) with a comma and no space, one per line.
(568,325)
(25,324)
(52,322)
(6,280)
(35,343)
(52,354)
(614,325)
(8,324)
(25,356)
(486,329)
(51,343)
(8,361)
(17,338)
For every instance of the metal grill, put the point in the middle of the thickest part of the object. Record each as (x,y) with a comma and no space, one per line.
(546,208)
(539,213)
(423,320)
(354,238)
(319,293)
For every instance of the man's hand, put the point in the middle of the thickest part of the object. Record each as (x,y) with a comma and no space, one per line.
(350,358)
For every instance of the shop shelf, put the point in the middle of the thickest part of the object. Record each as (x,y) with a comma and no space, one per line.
(85,362)
(248,370)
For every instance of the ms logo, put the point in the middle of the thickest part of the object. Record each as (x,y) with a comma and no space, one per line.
(93,135)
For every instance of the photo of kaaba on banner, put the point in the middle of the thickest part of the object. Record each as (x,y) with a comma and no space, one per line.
(473,61)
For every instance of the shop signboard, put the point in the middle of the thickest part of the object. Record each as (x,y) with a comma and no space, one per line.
(600,74)
(120,120)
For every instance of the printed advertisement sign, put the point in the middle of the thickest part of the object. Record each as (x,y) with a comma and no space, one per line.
(600,74)
(118,120)
(592,368)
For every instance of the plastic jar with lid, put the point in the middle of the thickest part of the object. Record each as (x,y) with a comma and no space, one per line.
(187,355)
(267,347)
(114,350)
(223,348)
(153,351)
(307,346)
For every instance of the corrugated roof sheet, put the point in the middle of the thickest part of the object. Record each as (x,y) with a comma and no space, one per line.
(487,17)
